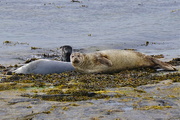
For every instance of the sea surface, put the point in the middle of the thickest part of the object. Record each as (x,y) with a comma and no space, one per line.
(149,26)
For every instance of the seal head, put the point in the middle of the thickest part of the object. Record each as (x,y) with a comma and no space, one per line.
(89,63)
(66,52)
(77,58)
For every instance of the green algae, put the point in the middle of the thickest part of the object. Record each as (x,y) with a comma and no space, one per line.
(74,86)
(11,43)
(34,48)
(7,42)
(13,85)
(154,107)
(140,91)
(65,108)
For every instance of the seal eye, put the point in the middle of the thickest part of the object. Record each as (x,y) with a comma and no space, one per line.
(78,56)
(72,56)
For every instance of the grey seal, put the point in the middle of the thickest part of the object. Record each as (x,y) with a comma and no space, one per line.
(109,61)
(44,66)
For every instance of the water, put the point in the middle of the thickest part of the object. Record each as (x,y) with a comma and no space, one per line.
(90,24)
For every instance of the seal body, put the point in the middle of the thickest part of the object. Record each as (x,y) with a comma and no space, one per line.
(44,66)
(109,61)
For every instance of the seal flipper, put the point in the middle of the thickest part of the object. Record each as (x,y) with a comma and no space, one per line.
(105,61)
(164,65)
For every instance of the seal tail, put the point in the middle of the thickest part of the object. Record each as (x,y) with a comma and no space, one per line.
(164,65)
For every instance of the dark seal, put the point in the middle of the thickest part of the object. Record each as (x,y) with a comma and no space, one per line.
(66,52)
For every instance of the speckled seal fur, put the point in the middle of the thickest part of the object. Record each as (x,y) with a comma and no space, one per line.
(109,61)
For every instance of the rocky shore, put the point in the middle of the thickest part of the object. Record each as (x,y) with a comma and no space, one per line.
(32,30)
(128,95)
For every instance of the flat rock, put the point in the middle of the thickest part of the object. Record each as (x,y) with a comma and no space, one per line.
(159,101)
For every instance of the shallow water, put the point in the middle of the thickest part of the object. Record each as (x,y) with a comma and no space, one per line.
(92,25)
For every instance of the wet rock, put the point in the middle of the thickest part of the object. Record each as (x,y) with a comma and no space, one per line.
(19,100)
(175,61)
(30,60)
(134,105)
(75,1)
(2,80)
(158,56)
(2,67)
(156,104)
(166,103)
(9,73)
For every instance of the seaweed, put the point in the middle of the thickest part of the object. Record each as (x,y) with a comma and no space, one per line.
(75,86)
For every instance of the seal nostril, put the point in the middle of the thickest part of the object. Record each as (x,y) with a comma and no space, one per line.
(75,60)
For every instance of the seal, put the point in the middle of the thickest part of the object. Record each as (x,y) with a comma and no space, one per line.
(44,66)
(66,52)
(109,61)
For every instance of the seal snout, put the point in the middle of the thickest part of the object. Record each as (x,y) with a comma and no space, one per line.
(75,60)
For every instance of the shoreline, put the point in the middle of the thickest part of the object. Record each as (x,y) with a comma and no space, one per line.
(130,94)
(31,52)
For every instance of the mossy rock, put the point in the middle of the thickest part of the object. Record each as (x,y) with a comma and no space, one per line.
(74,86)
